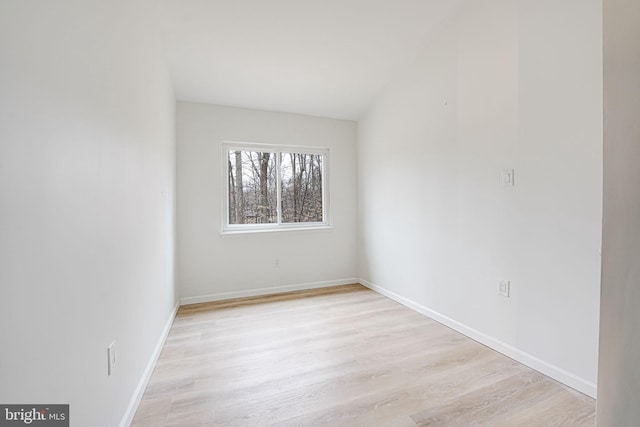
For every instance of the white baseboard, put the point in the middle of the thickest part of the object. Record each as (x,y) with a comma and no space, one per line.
(146,376)
(533,362)
(265,291)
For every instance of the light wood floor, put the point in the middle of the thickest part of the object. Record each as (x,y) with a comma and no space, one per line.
(343,356)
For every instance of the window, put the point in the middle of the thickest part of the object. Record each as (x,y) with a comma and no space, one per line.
(271,187)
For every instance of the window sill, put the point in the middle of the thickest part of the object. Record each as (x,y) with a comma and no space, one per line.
(304,229)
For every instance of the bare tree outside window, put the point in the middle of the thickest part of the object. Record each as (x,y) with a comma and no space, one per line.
(252,187)
(275,186)
(301,187)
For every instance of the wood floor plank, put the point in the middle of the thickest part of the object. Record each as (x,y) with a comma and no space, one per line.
(341,356)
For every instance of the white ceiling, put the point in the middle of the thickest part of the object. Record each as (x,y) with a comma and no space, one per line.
(325,58)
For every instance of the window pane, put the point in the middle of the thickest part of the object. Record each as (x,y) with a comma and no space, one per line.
(301,187)
(252,187)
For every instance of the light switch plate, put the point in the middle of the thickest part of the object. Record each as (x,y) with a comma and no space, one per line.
(111,358)
(504,288)
(508,178)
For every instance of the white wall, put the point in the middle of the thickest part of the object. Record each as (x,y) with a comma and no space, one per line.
(619,371)
(211,264)
(502,84)
(86,202)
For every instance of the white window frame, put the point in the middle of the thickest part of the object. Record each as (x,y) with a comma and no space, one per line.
(279,226)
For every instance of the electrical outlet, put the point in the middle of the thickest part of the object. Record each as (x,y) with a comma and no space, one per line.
(111,358)
(504,288)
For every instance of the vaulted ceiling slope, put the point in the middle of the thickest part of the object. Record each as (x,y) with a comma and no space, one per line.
(325,58)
